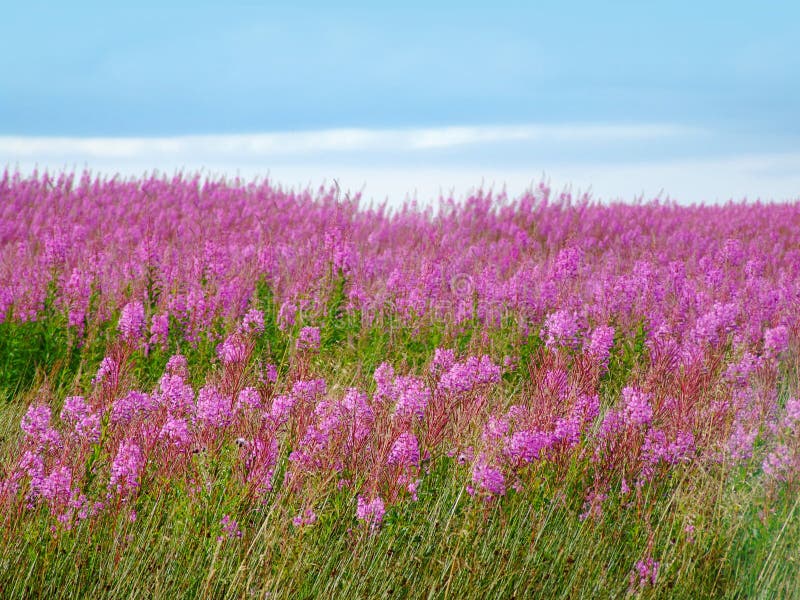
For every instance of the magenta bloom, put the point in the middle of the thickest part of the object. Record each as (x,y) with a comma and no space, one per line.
(159,330)
(600,343)
(36,425)
(131,322)
(230,528)
(248,398)
(384,382)
(776,340)
(647,569)
(84,421)
(561,328)
(527,446)
(286,315)
(405,451)
(412,397)
(488,478)
(306,518)
(176,432)
(778,462)
(213,409)
(253,322)
(178,365)
(126,468)
(637,410)
(176,394)
(232,351)
(370,511)
(309,339)
(55,487)
(106,372)
(130,405)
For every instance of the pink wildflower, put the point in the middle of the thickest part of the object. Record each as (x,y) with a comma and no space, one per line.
(84,421)
(405,451)
(637,410)
(370,511)
(131,322)
(230,529)
(488,478)
(776,341)
(159,330)
(213,409)
(561,328)
(253,322)
(309,339)
(126,468)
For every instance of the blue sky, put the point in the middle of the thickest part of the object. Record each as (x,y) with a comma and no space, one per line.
(705,82)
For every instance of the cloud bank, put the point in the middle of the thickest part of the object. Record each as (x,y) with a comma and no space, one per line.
(612,161)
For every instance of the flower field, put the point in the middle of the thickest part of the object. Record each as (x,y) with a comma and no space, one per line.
(228,389)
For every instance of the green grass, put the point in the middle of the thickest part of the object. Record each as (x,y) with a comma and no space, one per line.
(531,543)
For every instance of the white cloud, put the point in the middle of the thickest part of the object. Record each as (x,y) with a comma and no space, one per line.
(264,145)
(397,163)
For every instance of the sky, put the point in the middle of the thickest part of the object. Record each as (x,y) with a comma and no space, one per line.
(688,100)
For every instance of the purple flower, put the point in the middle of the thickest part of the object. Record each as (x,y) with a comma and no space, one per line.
(309,339)
(178,365)
(357,412)
(306,518)
(637,410)
(36,425)
(647,569)
(526,446)
(132,404)
(556,382)
(792,411)
(740,443)
(715,325)
(567,263)
(309,391)
(230,528)
(259,458)
(57,486)
(253,322)
(233,350)
(495,429)
(443,360)
(131,322)
(126,468)
(561,328)
(248,398)
(778,462)
(268,374)
(176,394)
(613,423)
(384,383)
(405,451)
(600,343)
(85,423)
(107,371)
(412,397)
(488,478)
(175,431)
(282,408)
(568,430)
(213,409)
(286,315)
(466,376)
(776,341)
(159,330)
(370,511)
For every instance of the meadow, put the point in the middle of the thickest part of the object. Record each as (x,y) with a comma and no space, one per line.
(227,389)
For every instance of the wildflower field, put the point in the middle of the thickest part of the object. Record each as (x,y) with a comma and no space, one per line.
(226,389)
